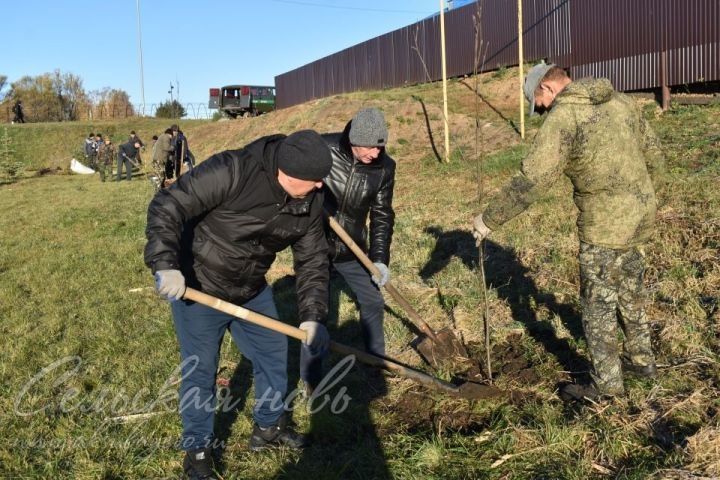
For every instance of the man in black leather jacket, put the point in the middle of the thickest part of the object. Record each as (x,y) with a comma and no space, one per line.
(359,186)
(218,229)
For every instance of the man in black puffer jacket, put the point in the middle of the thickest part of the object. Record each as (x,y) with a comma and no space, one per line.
(218,229)
(360,185)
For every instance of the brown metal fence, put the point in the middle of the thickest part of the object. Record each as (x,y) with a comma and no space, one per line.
(623,40)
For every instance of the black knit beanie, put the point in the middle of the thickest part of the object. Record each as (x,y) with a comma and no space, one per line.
(304,155)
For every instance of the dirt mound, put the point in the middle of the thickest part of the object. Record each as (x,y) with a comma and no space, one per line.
(508,362)
(419,409)
(416,411)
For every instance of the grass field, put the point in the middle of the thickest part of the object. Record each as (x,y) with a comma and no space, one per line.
(86,340)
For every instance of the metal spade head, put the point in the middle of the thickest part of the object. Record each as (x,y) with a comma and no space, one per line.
(443,351)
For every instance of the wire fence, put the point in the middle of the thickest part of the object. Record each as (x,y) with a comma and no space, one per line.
(50,113)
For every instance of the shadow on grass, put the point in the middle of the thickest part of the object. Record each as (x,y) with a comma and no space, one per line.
(346,444)
(492,107)
(512,281)
(429,129)
(240,383)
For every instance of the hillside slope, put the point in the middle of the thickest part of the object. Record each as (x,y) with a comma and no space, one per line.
(413,114)
(73,289)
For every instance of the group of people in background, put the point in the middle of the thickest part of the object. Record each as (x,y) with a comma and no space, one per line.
(171,156)
(101,152)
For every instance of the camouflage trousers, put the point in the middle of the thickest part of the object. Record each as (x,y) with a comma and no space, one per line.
(105,169)
(611,293)
(158,171)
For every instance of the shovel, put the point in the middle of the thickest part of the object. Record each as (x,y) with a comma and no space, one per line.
(467,390)
(437,348)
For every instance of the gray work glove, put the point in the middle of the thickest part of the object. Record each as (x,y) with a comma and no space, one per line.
(480,230)
(318,338)
(384,274)
(170,284)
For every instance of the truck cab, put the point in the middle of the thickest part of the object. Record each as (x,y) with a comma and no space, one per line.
(243,100)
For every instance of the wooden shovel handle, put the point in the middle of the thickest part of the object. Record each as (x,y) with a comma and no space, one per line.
(397,296)
(290,331)
(244,313)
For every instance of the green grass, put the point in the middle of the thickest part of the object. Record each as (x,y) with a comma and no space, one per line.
(51,145)
(74,293)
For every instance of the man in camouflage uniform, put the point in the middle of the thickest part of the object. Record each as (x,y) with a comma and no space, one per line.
(599,139)
(161,152)
(105,157)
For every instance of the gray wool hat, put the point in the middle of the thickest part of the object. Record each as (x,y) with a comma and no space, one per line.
(368,128)
(532,80)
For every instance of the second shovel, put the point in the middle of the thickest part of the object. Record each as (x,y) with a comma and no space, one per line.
(438,348)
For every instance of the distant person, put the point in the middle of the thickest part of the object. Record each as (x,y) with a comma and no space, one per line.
(600,140)
(126,156)
(154,177)
(154,141)
(134,138)
(187,159)
(162,151)
(105,156)
(17,109)
(90,148)
(96,143)
(181,162)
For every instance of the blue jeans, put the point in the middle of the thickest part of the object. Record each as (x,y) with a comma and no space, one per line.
(200,331)
(372,307)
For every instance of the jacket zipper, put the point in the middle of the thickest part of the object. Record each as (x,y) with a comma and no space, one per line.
(344,199)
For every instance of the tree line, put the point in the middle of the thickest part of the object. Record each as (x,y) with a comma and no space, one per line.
(59,97)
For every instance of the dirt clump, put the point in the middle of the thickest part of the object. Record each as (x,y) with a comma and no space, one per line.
(508,361)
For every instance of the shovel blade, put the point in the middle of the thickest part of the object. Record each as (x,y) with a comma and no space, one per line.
(445,350)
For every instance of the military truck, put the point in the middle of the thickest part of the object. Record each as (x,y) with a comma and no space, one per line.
(243,100)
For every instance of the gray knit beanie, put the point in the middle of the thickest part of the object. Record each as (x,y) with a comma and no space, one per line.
(368,128)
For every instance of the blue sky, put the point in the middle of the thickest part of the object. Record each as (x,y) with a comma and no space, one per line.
(201,44)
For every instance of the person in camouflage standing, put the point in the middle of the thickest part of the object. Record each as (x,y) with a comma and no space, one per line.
(161,152)
(105,157)
(600,140)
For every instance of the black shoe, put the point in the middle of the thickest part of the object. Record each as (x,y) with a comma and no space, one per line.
(575,392)
(641,371)
(279,435)
(198,465)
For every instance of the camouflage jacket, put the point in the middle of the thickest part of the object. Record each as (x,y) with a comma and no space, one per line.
(162,148)
(600,140)
(106,153)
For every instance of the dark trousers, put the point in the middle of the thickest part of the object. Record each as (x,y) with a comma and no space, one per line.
(200,331)
(92,161)
(372,307)
(128,168)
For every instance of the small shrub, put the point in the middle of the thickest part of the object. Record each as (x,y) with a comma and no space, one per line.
(500,73)
(10,167)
